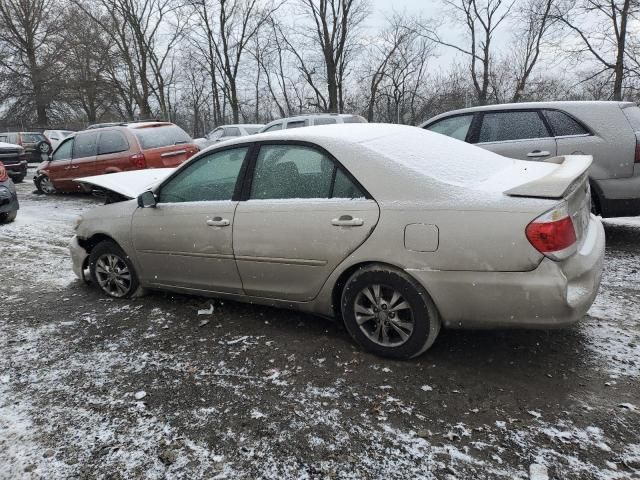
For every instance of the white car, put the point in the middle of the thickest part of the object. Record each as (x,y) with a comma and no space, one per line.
(226,132)
(56,136)
(312,120)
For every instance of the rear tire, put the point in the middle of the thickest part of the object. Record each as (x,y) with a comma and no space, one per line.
(112,270)
(388,313)
(8,217)
(44,147)
(18,179)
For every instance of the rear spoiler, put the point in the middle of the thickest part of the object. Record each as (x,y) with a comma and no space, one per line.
(559,182)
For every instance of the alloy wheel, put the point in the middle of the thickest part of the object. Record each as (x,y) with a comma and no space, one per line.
(113,275)
(384,315)
(46,186)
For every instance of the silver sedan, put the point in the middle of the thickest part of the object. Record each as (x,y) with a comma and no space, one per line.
(396,230)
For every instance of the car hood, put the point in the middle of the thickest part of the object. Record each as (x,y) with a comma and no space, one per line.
(129,184)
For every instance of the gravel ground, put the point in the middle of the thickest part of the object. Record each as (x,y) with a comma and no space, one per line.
(97,388)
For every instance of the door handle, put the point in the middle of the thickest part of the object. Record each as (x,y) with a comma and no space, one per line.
(347,221)
(538,153)
(218,222)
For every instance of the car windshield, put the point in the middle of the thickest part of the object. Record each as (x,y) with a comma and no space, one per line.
(161,136)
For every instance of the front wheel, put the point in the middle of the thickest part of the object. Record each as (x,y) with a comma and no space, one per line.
(389,313)
(8,217)
(112,270)
(44,185)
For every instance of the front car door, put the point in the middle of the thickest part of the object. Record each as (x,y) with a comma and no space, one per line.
(59,168)
(302,214)
(521,134)
(83,161)
(185,242)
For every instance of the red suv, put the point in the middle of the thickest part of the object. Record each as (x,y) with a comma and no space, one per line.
(115,148)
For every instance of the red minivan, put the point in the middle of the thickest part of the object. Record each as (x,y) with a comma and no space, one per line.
(116,148)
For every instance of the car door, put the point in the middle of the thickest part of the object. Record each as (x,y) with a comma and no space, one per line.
(113,153)
(521,134)
(59,169)
(302,214)
(185,242)
(83,160)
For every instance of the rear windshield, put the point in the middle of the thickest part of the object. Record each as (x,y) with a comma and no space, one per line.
(32,137)
(633,115)
(161,136)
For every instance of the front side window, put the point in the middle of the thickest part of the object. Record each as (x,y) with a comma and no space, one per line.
(208,179)
(455,127)
(63,152)
(563,125)
(216,134)
(505,126)
(112,142)
(232,132)
(296,124)
(85,145)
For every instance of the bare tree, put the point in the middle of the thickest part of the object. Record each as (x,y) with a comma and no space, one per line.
(480,18)
(28,33)
(602,27)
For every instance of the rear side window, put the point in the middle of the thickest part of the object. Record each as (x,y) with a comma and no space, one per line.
(273,128)
(455,127)
(296,124)
(353,119)
(505,126)
(343,187)
(63,152)
(161,136)
(633,115)
(232,132)
(562,124)
(32,137)
(324,121)
(112,142)
(85,145)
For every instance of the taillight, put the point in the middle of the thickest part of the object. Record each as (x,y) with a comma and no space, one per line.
(138,160)
(637,157)
(3,173)
(553,233)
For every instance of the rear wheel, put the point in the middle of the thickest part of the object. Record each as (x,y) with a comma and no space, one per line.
(18,179)
(8,217)
(389,313)
(44,185)
(112,270)
(44,147)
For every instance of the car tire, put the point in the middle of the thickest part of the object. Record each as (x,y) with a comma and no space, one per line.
(44,185)
(18,179)
(379,299)
(44,147)
(112,271)
(8,217)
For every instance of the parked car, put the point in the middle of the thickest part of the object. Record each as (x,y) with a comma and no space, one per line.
(311,120)
(56,136)
(113,149)
(226,132)
(8,197)
(609,131)
(393,228)
(14,159)
(35,144)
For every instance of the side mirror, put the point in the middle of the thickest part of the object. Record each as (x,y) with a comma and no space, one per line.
(147,199)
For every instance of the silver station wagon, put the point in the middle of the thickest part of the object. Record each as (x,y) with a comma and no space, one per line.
(393,229)
(609,131)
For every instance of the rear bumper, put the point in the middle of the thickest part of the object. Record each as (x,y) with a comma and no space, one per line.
(555,294)
(16,169)
(78,257)
(619,197)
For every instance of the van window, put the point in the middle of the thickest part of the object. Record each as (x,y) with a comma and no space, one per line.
(505,126)
(85,145)
(562,124)
(161,136)
(63,152)
(112,142)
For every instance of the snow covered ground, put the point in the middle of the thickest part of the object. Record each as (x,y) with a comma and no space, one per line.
(149,388)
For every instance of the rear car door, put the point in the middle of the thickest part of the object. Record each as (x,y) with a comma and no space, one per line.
(59,168)
(113,153)
(164,145)
(185,242)
(83,160)
(521,134)
(303,215)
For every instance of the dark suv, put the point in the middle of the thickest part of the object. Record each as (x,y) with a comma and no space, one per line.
(14,159)
(8,197)
(34,143)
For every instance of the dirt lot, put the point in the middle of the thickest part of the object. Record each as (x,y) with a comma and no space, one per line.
(147,388)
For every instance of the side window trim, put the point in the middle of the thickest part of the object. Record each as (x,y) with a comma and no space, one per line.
(252,157)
